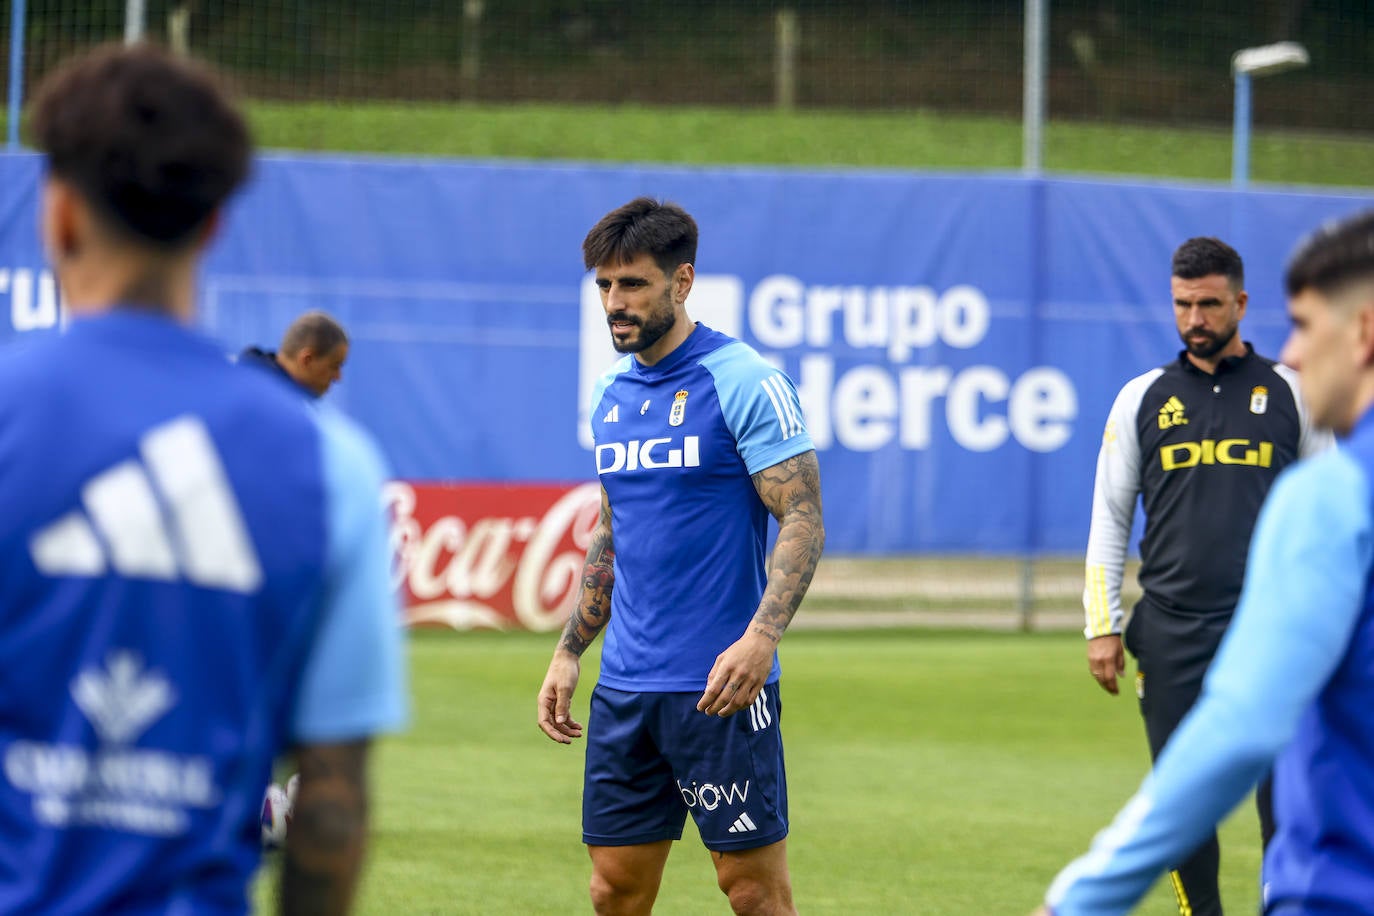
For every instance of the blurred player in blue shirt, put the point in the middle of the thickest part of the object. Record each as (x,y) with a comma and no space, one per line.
(1294,678)
(194,565)
(697,440)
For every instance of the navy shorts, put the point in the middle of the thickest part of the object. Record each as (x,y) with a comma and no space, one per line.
(652,759)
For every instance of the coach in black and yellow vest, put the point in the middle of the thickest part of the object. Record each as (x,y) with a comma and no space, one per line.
(1199,441)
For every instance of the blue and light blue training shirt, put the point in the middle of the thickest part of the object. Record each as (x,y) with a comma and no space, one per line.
(194,576)
(1294,677)
(676,445)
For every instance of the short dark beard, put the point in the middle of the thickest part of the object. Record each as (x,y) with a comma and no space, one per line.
(651,331)
(1211,346)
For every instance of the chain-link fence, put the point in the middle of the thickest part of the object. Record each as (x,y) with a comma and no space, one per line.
(1165,61)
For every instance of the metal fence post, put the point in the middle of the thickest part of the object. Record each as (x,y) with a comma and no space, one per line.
(135,16)
(470,64)
(1033,88)
(1037,232)
(179,29)
(16,99)
(785,65)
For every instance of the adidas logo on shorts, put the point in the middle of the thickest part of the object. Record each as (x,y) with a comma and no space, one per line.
(759,716)
(743,824)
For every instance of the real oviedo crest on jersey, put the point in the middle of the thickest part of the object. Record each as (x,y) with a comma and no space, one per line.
(1259,399)
(679,410)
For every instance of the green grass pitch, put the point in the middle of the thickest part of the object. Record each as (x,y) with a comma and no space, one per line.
(931,772)
(825,139)
(805,139)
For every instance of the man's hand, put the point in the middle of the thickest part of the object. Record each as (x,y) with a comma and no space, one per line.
(738,675)
(1044,910)
(555,697)
(1106,659)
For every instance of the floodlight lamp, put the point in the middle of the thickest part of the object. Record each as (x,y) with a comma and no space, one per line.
(1267,60)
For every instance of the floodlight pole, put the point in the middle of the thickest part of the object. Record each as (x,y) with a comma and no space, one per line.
(1240,133)
(1265,60)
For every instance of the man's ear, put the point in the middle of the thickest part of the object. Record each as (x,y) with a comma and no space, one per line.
(66,220)
(683,277)
(209,230)
(1364,332)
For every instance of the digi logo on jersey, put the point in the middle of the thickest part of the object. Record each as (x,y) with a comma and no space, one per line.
(650,454)
(1179,455)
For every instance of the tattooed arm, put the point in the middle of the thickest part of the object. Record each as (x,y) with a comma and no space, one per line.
(593,610)
(589,617)
(791,490)
(324,848)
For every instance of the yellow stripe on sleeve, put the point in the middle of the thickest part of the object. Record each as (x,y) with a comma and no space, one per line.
(1099,613)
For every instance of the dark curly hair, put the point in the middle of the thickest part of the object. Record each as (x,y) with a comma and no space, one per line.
(151,141)
(664,231)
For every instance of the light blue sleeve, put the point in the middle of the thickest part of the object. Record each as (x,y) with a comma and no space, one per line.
(760,405)
(603,382)
(354,685)
(1304,589)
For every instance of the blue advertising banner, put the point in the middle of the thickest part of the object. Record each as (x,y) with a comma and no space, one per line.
(956,340)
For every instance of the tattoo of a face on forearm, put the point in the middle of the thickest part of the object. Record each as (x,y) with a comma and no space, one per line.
(791,490)
(593,609)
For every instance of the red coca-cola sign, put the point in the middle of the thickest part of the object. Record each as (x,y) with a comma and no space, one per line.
(475,555)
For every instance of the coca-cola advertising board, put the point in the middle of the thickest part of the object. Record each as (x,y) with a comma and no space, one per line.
(489,556)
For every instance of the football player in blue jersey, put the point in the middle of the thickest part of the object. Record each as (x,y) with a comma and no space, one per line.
(194,569)
(698,441)
(1293,682)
